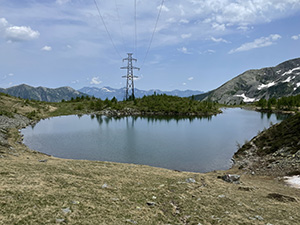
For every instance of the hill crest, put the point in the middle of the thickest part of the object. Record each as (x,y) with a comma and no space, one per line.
(252,85)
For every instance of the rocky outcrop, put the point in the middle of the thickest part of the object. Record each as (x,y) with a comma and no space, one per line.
(17,121)
(280,163)
(274,152)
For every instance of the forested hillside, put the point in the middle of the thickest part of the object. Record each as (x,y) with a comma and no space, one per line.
(284,103)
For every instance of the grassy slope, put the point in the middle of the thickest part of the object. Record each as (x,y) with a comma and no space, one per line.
(155,104)
(34,192)
(286,134)
(274,152)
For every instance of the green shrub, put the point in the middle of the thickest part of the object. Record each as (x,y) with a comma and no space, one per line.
(5,113)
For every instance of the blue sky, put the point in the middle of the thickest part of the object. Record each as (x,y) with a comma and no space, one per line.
(198,44)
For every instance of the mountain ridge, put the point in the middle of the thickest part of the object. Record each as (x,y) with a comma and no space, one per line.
(58,94)
(252,85)
(108,92)
(42,93)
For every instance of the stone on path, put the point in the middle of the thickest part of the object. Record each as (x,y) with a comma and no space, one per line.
(190,180)
(151,203)
(66,210)
(231,178)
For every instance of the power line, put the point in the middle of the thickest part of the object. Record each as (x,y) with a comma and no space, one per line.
(120,24)
(109,35)
(154,30)
(135,29)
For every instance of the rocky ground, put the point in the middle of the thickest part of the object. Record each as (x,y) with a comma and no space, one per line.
(279,163)
(7,123)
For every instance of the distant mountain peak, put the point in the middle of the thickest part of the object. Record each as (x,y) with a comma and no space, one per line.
(108,92)
(107,89)
(42,93)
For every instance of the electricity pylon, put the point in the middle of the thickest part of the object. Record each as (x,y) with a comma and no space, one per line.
(130,77)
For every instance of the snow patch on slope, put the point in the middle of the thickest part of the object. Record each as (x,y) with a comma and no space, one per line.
(287,80)
(107,90)
(290,71)
(297,85)
(293,181)
(266,85)
(245,98)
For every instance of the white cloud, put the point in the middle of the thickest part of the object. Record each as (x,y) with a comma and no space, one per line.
(8,75)
(46,48)
(209,51)
(184,50)
(181,9)
(191,78)
(249,12)
(95,80)
(295,37)
(244,28)
(183,84)
(201,18)
(171,20)
(163,8)
(138,78)
(219,40)
(75,81)
(218,27)
(184,36)
(184,21)
(3,23)
(16,33)
(257,43)
(61,2)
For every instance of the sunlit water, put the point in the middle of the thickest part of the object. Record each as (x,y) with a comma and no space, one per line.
(198,145)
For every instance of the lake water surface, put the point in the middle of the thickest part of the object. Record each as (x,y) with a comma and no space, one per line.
(198,145)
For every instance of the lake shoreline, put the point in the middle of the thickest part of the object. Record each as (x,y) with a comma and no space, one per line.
(177,143)
(135,112)
(41,189)
(20,122)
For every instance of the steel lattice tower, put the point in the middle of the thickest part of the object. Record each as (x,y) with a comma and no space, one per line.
(130,77)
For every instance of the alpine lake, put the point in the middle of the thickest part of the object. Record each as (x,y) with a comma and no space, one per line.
(183,144)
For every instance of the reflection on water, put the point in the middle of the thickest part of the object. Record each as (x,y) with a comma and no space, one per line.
(279,116)
(188,144)
(150,119)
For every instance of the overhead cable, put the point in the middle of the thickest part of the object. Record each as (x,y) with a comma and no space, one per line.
(109,35)
(135,30)
(154,30)
(120,24)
